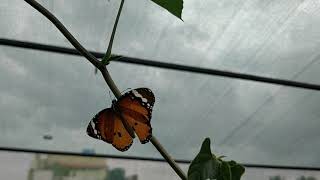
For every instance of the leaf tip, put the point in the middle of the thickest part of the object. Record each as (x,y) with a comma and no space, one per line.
(206,145)
(207,141)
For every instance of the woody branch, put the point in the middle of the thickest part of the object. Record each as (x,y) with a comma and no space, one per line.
(102,68)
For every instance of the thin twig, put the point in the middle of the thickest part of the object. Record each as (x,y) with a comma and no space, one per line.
(108,53)
(92,59)
(110,82)
(167,157)
(65,32)
(104,73)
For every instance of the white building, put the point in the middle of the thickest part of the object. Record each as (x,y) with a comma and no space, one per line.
(57,167)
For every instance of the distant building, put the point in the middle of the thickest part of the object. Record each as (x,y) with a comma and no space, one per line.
(57,167)
(60,167)
(88,151)
(133,177)
(278,177)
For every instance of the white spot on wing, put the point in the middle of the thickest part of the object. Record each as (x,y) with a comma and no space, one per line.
(135,93)
(92,124)
(93,127)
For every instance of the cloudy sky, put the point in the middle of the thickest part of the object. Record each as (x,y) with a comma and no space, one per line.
(45,93)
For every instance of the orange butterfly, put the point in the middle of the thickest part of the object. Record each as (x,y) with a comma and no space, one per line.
(128,116)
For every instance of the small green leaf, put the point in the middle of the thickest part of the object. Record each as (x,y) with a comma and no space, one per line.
(236,170)
(224,171)
(115,57)
(221,157)
(173,6)
(107,56)
(112,57)
(205,165)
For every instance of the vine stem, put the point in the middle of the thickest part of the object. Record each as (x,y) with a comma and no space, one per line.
(167,157)
(98,64)
(108,53)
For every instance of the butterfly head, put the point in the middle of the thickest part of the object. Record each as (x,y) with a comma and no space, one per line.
(114,102)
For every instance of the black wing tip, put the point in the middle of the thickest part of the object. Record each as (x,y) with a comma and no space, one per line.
(143,89)
(91,133)
(148,105)
(150,91)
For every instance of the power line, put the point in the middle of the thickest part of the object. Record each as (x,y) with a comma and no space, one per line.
(172,66)
(20,150)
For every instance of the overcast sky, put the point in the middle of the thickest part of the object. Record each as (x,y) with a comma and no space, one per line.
(45,93)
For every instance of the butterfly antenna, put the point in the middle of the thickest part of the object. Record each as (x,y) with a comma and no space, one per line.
(110,96)
(95,71)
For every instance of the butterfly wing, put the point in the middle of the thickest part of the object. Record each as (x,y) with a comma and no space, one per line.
(121,138)
(136,107)
(107,126)
(102,126)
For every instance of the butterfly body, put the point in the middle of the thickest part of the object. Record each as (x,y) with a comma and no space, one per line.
(129,115)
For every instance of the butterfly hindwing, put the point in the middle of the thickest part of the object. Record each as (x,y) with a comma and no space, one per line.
(139,123)
(121,138)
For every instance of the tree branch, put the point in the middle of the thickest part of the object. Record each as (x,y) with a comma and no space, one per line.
(98,64)
(168,158)
(108,53)
(65,32)
(92,59)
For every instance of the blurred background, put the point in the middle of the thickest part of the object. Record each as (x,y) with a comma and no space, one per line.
(30,166)
(48,98)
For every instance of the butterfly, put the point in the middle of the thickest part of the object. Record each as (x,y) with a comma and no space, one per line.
(127,116)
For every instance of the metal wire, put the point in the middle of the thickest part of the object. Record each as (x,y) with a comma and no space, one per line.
(20,150)
(229,74)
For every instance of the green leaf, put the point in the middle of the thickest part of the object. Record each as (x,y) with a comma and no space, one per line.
(237,170)
(115,57)
(224,171)
(110,58)
(173,6)
(205,165)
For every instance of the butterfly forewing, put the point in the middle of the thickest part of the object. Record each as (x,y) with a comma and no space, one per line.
(107,126)
(136,105)
(142,101)
(140,124)
(102,126)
